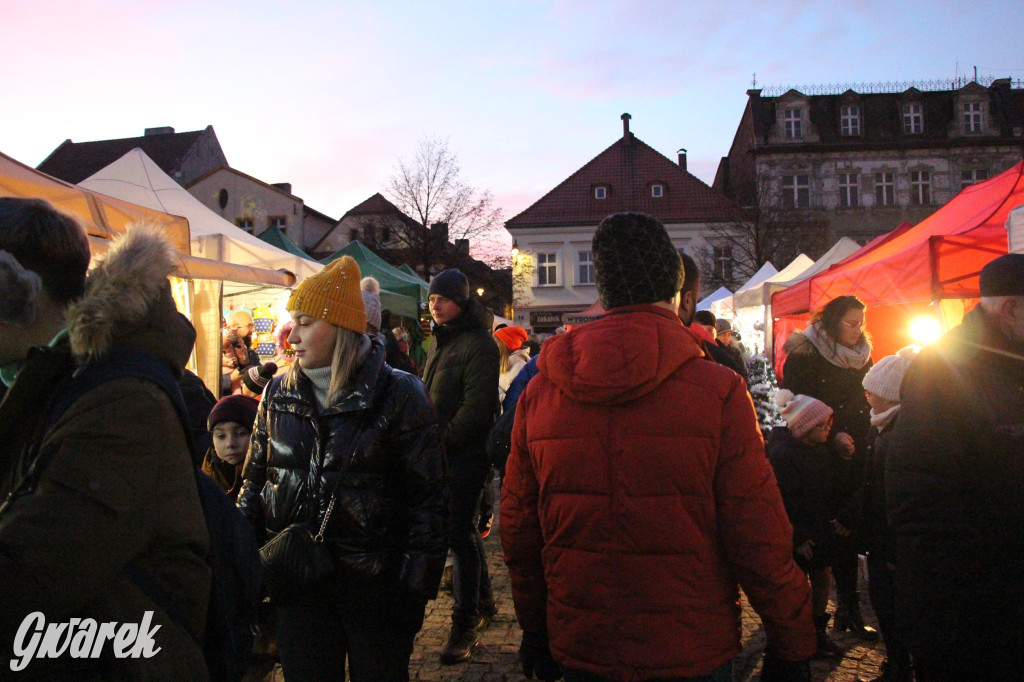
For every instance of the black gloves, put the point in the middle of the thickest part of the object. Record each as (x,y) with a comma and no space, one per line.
(535,657)
(776,669)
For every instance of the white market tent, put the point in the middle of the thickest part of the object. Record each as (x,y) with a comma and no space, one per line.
(719,294)
(136,178)
(724,307)
(840,250)
(761,294)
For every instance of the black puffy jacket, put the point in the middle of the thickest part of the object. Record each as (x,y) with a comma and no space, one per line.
(390,517)
(461,375)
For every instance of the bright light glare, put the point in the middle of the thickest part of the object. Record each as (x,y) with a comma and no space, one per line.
(925,329)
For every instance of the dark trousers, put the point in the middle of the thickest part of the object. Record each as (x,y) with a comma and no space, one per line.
(722,674)
(882,590)
(366,620)
(844,566)
(466,485)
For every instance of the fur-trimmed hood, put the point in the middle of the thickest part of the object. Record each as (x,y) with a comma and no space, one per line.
(798,344)
(128,301)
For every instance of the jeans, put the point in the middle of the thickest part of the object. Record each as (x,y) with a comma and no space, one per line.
(466,485)
(367,620)
(721,674)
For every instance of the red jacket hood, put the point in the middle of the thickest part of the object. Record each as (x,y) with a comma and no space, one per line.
(610,360)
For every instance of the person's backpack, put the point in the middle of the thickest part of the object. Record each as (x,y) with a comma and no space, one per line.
(499,439)
(233,558)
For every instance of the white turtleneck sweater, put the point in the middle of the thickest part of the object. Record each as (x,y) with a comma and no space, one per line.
(321,379)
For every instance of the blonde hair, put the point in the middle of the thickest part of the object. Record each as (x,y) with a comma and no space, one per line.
(347,357)
(504,354)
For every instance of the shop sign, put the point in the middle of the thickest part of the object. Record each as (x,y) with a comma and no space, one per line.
(545,319)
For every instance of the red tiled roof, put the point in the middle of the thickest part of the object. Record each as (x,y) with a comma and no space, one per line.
(627,169)
(75,161)
(379,205)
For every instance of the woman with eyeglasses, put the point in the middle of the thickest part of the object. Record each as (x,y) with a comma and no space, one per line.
(828,361)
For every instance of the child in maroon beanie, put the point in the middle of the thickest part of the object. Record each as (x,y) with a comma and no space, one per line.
(231,421)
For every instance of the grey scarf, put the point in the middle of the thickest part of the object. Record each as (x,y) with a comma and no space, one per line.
(836,353)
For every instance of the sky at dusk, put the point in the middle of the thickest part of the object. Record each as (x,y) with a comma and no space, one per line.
(328,95)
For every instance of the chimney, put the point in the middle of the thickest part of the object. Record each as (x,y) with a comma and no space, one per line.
(625,124)
(440,231)
(682,158)
(462,247)
(283,186)
(163,130)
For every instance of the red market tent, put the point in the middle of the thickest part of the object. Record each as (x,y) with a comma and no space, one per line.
(910,271)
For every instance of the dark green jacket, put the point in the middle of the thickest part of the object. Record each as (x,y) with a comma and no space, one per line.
(120,486)
(461,375)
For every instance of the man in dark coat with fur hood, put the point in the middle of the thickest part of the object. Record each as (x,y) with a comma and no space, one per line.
(954,483)
(118,488)
(461,375)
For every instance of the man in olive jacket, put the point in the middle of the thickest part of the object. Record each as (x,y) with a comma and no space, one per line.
(118,493)
(461,375)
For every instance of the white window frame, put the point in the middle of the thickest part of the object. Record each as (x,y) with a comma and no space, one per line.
(793,187)
(920,188)
(585,265)
(794,123)
(245,224)
(885,188)
(723,262)
(278,221)
(972,176)
(547,269)
(972,117)
(600,192)
(848,190)
(657,191)
(913,118)
(849,120)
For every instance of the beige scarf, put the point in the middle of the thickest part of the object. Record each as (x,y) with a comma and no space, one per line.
(836,353)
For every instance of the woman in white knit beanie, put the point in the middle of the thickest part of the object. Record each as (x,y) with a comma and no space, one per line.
(882,386)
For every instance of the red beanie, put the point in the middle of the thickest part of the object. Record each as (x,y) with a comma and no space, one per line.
(513,337)
(240,409)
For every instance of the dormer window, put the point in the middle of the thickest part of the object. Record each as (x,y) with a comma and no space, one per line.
(600,192)
(794,124)
(913,119)
(849,120)
(972,117)
(657,191)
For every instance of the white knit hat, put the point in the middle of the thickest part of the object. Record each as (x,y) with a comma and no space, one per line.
(371,301)
(801,412)
(886,376)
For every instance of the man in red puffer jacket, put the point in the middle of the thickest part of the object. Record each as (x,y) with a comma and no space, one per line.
(638,498)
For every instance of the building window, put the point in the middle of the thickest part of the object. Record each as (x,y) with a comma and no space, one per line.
(547,269)
(848,190)
(278,221)
(244,223)
(353,234)
(723,262)
(600,192)
(885,189)
(585,267)
(969,177)
(657,191)
(972,117)
(920,188)
(385,235)
(913,121)
(849,120)
(794,124)
(796,191)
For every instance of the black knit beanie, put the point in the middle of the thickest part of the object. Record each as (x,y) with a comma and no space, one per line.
(1004,276)
(635,261)
(451,284)
(256,377)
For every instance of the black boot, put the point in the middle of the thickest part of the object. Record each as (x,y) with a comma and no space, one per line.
(488,609)
(826,647)
(461,640)
(848,618)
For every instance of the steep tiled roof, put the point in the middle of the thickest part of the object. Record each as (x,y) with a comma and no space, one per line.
(627,169)
(379,205)
(75,161)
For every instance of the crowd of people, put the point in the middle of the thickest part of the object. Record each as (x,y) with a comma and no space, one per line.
(637,493)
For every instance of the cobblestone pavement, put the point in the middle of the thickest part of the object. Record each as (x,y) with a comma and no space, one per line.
(495,659)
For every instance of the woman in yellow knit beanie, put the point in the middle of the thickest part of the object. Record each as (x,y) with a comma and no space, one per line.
(344,437)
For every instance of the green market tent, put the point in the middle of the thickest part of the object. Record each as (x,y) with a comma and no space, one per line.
(275,237)
(400,292)
(407,269)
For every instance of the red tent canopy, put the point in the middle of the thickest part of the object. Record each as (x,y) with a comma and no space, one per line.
(908,268)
